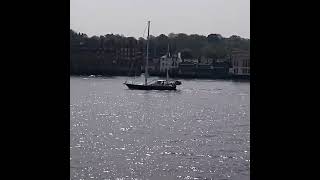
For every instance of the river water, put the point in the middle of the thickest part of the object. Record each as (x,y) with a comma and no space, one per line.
(200,131)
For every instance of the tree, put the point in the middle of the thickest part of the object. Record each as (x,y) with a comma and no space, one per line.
(93,43)
(214,38)
(191,46)
(172,35)
(186,54)
(235,37)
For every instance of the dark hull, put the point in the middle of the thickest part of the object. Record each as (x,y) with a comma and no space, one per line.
(150,87)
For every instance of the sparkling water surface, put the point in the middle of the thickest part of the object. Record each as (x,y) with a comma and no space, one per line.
(200,131)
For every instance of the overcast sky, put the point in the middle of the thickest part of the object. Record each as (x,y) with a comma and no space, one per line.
(129,17)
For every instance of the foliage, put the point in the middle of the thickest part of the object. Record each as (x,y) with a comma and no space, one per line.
(85,51)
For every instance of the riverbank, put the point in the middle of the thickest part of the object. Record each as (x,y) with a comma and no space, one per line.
(235,78)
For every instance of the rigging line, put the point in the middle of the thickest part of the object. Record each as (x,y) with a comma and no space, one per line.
(144,31)
(130,67)
(134,61)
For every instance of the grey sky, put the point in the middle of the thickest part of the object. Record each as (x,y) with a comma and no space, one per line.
(129,17)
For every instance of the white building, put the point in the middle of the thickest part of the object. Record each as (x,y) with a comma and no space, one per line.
(169,62)
(240,61)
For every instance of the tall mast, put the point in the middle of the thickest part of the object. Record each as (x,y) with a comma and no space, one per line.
(167,74)
(168,56)
(146,67)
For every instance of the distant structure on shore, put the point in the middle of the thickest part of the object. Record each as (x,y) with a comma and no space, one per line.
(240,63)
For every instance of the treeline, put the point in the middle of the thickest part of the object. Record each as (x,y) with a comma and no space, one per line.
(191,46)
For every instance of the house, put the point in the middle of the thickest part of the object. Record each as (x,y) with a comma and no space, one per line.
(126,58)
(240,62)
(168,62)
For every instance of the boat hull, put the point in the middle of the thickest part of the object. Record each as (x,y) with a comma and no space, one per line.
(150,87)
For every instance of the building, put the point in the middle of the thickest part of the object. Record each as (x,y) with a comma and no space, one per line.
(154,66)
(196,61)
(204,70)
(122,58)
(168,62)
(205,60)
(240,62)
(187,69)
(220,69)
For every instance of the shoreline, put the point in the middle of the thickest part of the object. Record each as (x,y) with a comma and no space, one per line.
(233,78)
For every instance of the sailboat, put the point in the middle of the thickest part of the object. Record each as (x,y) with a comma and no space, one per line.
(154,85)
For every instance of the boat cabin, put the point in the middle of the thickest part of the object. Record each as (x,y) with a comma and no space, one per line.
(160,82)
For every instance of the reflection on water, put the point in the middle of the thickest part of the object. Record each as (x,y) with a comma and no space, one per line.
(200,131)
